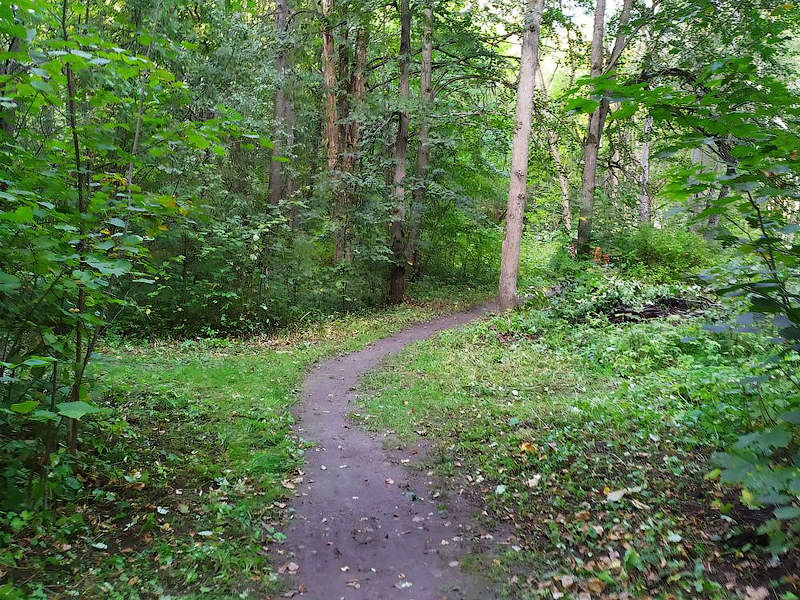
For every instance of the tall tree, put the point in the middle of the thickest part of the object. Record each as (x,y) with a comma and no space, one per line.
(281,103)
(515,212)
(397,277)
(552,142)
(424,144)
(332,127)
(645,215)
(594,132)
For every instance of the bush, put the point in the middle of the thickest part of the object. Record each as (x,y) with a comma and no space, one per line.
(661,255)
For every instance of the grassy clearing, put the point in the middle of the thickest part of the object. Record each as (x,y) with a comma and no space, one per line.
(183,487)
(591,440)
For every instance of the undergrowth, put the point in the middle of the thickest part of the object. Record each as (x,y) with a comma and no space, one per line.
(595,441)
(180,484)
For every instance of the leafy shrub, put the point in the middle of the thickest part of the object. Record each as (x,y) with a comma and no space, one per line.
(661,255)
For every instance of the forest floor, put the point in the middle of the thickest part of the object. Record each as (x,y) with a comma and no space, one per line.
(562,451)
(186,478)
(590,439)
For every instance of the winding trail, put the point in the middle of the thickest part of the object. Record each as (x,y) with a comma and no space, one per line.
(365,526)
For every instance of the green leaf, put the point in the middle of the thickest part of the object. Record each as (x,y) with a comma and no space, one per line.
(41,85)
(582,105)
(8,282)
(23,408)
(76,410)
(785,513)
(23,214)
(632,559)
(197,140)
(792,417)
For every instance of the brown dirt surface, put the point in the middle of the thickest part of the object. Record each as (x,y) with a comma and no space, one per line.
(365,525)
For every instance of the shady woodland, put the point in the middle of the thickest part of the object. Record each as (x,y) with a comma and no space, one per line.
(399,299)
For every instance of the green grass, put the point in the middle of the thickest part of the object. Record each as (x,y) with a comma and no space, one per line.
(185,485)
(541,414)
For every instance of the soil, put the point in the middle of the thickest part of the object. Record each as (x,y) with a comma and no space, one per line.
(367,525)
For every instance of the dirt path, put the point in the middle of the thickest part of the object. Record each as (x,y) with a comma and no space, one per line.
(365,526)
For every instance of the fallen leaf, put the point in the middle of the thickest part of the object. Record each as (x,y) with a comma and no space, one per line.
(756,593)
(534,481)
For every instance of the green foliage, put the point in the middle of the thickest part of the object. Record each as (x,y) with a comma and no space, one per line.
(662,255)
(185,469)
(548,413)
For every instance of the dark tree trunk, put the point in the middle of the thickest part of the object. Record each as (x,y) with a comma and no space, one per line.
(399,245)
(279,139)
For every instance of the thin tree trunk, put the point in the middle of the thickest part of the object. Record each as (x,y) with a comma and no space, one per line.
(140,105)
(8,116)
(644,191)
(592,144)
(397,281)
(424,147)
(290,186)
(509,260)
(613,179)
(75,392)
(597,119)
(275,167)
(331,126)
(563,179)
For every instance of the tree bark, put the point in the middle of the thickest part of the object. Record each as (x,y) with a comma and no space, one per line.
(275,167)
(592,144)
(509,260)
(332,128)
(8,116)
(644,191)
(290,186)
(397,277)
(424,147)
(597,119)
(714,220)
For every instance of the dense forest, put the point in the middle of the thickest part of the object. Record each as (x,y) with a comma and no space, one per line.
(200,200)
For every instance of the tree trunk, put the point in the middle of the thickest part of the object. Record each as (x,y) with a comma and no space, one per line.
(332,127)
(424,147)
(509,260)
(72,120)
(275,167)
(290,186)
(397,281)
(713,220)
(592,144)
(613,180)
(644,192)
(563,179)
(8,116)
(597,120)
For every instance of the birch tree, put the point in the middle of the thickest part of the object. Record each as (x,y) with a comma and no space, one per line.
(515,212)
